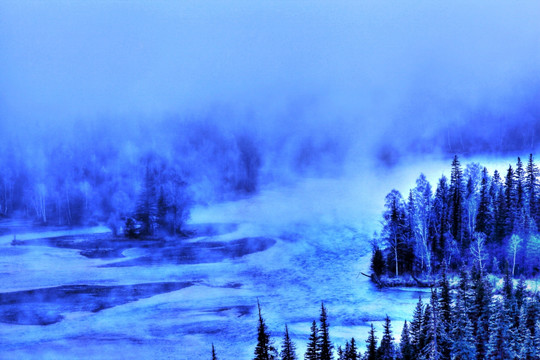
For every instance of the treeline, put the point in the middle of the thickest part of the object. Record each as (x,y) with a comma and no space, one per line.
(466,322)
(101,172)
(474,217)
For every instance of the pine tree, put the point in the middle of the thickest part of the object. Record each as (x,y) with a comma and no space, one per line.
(352,351)
(371,351)
(437,341)
(264,349)
(510,201)
(456,194)
(501,336)
(480,312)
(313,347)
(416,328)
(445,302)
(520,190)
(405,345)
(520,293)
(326,349)
(288,348)
(524,342)
(501,212)
(386,349)
(214,357)
(441,218)
(484,219)
(378,265)
(531,188)
(463,346)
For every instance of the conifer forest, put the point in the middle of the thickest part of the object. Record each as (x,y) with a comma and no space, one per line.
(269,180)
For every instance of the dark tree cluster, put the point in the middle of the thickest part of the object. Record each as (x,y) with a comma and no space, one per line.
(471,321)
(473,218)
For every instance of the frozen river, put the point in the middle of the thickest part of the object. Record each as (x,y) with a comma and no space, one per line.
(80,294)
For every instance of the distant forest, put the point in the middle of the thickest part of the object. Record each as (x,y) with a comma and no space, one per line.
(469,320)
(109,172)
(473,218)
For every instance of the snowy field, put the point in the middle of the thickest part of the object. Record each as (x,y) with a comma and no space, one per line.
(76,294)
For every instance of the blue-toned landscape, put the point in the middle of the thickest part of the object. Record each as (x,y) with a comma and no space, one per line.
(269,180)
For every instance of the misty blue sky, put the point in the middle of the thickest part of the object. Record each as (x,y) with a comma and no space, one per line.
(376,64)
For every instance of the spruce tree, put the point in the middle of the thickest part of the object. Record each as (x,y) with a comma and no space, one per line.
(386,349)
(214,357)
(445,302)
(264,349)
(416,328)
(456,194)
(463,342)
(352,352)
(480,312)
(405,346)
(313,347)
(326,349)
(288,348)
(500,339)
(510,201)
(531,188)
(371,351)
(437,341)
(441,217)
(484,218)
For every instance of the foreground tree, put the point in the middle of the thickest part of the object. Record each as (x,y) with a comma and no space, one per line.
(264,349)
(288,348)
(325,343)
(371,351)
(313,346)
(387,349)
(214,357)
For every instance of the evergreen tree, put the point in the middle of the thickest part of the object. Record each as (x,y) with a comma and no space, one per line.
(463,346)
(416,329)
(484,219)
(531,188)
(510,201)
(378,265)
(437,341)
(214,357)
(441,218)
(264,349)
(288,348)
(456,194)
(519,185)
(501,211)
(405,345)
(445,302)
(326,349)
(371,351)
(313,347)
(352,351)
(520,293)
(500,339)
(480,312)
(386,349)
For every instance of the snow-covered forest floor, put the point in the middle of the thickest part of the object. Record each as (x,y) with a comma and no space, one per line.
(291,247)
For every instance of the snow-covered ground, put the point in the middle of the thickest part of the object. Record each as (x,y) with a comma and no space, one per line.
(315,242)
